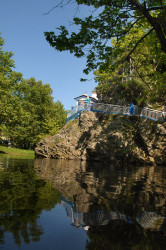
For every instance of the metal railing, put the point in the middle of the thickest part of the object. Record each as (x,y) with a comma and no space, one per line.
(155,115)
(110,108)
(150,113)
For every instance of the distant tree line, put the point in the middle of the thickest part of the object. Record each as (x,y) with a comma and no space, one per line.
(27,110)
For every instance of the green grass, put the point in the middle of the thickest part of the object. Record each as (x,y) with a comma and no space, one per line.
(17,152)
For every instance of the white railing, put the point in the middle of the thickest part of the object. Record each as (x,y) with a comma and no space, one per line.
(150,113)
(110,108)
(117,109)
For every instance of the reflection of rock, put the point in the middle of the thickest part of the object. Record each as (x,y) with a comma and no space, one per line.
(66,177)
(92,187)
(105,137)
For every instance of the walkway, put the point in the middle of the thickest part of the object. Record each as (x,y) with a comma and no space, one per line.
(116,109)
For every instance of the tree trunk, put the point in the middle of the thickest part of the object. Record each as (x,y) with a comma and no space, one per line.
(154,22)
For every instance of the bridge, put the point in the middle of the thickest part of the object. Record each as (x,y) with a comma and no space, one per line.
(130,110)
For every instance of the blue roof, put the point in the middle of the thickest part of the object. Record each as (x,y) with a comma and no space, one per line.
(77,98)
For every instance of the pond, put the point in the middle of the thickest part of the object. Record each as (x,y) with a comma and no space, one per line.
(59,204)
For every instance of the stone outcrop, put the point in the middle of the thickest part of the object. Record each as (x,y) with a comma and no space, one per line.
(101,137)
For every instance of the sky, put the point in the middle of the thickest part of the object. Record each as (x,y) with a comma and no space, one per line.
(22,26)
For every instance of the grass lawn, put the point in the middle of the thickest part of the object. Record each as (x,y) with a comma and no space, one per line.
(17,152)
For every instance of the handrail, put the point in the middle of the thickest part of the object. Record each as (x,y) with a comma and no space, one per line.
(117,109)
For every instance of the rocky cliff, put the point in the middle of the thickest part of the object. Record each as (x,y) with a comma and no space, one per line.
(101,137)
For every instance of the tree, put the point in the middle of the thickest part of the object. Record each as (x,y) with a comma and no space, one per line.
(113,19)
(27,110)
(140,78)
(6,61)
(7,80)
(36,114)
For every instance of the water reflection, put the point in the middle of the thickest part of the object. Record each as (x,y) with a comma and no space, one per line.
(22,198)
(127,203)
(87,219)
(147,220)
(94,187)
(116,207)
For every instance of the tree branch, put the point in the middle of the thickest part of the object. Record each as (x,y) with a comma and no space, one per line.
(141,76)
(61,4)
(126,31)
(157,8)
(157,26)
(127,57)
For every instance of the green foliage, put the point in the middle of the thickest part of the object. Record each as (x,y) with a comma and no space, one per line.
(108,19)
(27,110)
(126,41)
(6,61)
(133,91)
(140,78)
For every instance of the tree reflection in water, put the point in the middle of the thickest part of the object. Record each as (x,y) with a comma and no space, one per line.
(23,196)
(120,208)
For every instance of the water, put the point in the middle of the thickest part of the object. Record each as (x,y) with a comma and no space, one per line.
(60,204)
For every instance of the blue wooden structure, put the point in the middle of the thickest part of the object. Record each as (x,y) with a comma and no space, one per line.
(148,113)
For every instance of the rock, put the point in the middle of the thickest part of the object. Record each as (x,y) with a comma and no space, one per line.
(113,138)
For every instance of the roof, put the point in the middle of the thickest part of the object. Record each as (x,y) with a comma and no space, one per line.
(93,99)
(78,97)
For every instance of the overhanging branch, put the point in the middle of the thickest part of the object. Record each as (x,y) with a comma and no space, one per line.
(157,8)
(126,31)
(127,57)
